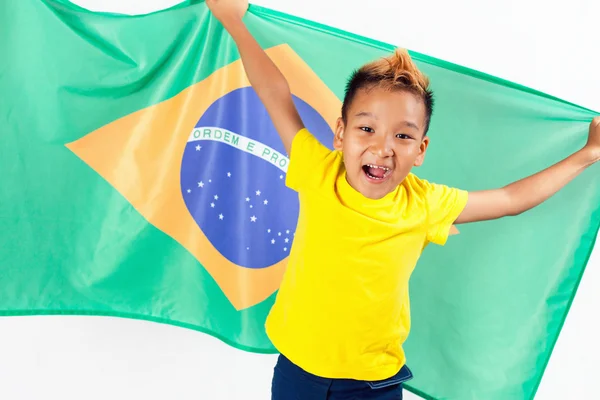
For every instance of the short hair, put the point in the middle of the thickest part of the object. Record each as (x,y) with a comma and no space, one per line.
(395,72)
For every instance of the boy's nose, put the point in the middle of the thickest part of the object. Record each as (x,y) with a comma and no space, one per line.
(381,147)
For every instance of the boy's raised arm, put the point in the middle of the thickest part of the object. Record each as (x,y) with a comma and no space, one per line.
(531,191)
(267,80)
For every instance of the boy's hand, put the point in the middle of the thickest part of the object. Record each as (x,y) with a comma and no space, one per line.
(228,11)
(593,143)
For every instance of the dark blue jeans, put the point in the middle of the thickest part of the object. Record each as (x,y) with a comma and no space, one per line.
(290,382)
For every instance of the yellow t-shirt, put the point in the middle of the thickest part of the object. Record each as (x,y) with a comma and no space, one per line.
(342,310)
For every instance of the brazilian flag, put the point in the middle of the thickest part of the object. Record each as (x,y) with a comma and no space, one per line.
(142,178)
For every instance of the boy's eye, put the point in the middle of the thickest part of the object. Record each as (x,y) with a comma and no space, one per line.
(403,136)
(367,129)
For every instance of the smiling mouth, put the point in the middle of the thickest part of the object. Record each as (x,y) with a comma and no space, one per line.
(376,172)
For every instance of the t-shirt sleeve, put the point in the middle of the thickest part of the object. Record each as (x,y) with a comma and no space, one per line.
(444,205)
(308,158)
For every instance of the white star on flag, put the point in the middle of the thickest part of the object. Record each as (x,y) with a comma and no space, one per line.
(200,184)
(221,216)
(253,218)
(189,190)
(212,205)
(272,241)
(266,202)
(198,147)
(247,198)
(258,192)
(287,240)
(216,197)
(229,174)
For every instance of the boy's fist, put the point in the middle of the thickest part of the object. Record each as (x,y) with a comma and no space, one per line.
(228,11)
(593,143)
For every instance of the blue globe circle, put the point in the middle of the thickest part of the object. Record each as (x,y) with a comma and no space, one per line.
(239,200)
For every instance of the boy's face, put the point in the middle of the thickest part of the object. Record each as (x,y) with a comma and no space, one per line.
(382,140)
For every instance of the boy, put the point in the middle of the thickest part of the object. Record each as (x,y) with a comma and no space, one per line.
(342,311)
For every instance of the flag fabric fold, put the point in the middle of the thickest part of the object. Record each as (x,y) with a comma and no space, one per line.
(142,178)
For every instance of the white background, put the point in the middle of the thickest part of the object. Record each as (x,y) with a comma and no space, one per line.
(547,45)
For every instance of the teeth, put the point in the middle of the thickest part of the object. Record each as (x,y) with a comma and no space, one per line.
(377,166)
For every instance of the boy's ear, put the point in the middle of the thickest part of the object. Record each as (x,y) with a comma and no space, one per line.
(339,134)
(422,150)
